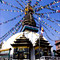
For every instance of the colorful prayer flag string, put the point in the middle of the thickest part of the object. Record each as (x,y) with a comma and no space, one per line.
(29,1)
(11,5)
(48,36)
(10,10)
(50,31)
(48,18)
(10,31)
(54,6)
(19,4)
(48,12)
(52,3)
(46,6)
(51,27)
(23,2)
(11,19)
(45,27)
(37,3)
(38,9)
(16,30)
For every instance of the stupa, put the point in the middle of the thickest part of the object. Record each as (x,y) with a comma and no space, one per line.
(25,44)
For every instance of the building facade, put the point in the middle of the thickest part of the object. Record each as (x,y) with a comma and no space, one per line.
(57,52)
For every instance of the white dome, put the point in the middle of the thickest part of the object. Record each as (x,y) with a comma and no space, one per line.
(31,35)
(28,34)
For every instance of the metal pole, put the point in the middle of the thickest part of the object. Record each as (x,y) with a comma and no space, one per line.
(39,38)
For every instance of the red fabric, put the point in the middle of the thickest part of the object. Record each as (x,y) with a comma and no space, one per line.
(58,11)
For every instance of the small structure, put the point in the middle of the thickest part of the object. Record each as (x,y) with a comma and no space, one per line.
(22,48)
(1,45)
(45,48)
(57,52)
(5,53)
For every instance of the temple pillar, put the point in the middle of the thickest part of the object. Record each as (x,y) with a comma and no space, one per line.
(33,54)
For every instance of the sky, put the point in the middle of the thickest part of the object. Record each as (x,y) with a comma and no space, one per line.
(6,15)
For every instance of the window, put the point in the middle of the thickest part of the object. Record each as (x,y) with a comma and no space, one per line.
(58,46)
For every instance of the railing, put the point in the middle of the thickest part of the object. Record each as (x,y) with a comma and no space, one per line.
(49,58)
(6,59)
(42,58)
(12,59)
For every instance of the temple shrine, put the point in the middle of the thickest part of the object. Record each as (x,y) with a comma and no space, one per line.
(25,45)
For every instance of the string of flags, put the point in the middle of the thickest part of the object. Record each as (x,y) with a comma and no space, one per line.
(10,5)
(54,6)
(18,25)
(19,4)
(48,13)
(11,19)
(49,18)
(50,31)
(16,30)
(26,1)
(46,17)
(10,10)
(37,3)
(23,2)
(29,1)
(51,27)
(49,5)
(45,27)
(52,3)
(48,36)
(38,9)
(46,6)
(10,31)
